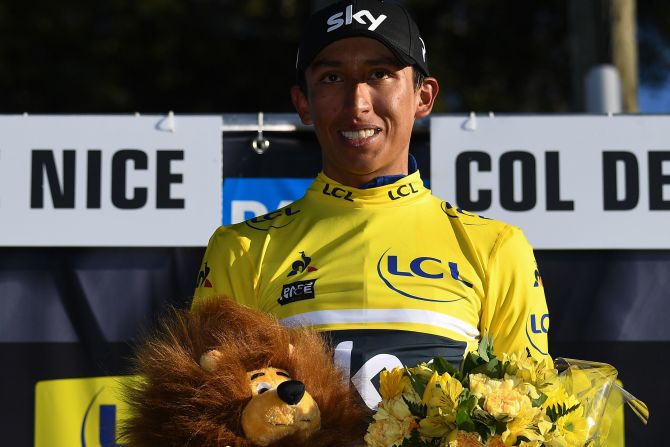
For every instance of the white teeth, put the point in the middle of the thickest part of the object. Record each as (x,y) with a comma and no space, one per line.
(358,134)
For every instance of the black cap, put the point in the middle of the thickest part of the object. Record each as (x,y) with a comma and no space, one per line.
(386,21)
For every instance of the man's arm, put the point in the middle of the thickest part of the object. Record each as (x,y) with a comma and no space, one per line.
(515,312)
(226,270)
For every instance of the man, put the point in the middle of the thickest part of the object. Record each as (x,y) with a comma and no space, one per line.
(392,273)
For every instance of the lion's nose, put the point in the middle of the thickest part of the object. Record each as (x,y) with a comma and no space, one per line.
(291,391)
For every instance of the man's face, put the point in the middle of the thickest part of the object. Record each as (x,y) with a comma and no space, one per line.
(362,104)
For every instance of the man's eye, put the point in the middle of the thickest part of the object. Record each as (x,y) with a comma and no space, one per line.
(330,78)
(379,74)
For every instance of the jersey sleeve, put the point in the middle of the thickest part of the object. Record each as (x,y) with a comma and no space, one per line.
(514,312)
(226,270)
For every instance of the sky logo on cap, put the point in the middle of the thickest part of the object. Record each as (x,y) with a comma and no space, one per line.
(423,49)
(335,21)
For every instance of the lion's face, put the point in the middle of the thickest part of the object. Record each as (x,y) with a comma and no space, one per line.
(279,407)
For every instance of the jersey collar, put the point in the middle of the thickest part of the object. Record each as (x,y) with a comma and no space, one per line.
(388,179)
(402,191)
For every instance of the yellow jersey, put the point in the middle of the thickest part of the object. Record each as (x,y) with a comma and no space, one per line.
(392,273)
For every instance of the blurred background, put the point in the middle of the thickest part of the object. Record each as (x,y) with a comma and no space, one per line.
(237,57)
(220,56)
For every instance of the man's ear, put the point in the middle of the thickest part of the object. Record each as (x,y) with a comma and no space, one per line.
(301,104)
(427,93)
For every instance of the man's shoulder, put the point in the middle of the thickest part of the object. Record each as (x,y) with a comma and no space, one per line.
(469,219)
(260,226)
(479,229)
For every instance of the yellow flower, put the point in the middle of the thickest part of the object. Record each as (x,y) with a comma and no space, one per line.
(558,396)
(530,370)
(531,444)
(495,441)
(441,398)
(387,430)
(544,426)
(573,427)
(437,425)
(524,388)
(422,370)
(392,383)
(555,439)
(442,391)
(501,397)
(460,438)
(397,408)
(524,425)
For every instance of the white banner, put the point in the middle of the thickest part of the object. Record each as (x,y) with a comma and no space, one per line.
(109,180)
(570,182)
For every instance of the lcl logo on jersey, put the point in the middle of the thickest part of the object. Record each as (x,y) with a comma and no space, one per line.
(402,191)
(338,192)
(417,277)
(455,213)
(335,21)
(271,220)
(537,325)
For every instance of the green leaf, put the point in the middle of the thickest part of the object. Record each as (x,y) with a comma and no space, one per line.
(464,421)
(414,440)
(539,401)
(441,365)
(485,349)
(556,411)
(471,361)
(417,383)
(466,404)
(417,409)
(492,368)
(486,423)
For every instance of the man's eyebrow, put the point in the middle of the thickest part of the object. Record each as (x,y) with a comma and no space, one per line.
(386,61)
(334,63)
(327,63)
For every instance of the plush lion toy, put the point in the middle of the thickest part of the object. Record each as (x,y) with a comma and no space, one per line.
(227,375)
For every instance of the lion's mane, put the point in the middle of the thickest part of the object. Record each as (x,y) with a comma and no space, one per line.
(174,402)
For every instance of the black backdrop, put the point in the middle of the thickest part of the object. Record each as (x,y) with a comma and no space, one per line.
(74,312)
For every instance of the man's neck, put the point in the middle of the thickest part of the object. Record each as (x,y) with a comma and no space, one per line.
(388,179)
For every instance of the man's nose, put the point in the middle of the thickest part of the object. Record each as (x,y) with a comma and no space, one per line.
(359,99)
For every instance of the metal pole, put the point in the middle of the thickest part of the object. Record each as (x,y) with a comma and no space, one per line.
(624,50)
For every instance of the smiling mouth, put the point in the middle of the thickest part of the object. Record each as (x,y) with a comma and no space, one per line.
(357,135)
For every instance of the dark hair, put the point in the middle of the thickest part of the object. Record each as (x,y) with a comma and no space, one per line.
(418,79)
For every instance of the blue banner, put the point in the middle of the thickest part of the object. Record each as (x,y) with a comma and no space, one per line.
(245,198)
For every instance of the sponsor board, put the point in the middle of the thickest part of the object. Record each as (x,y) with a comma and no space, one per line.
(109,180)
(570,182)
(247,198)
(79,412)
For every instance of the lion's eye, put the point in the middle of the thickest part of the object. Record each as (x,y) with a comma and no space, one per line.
(263,387)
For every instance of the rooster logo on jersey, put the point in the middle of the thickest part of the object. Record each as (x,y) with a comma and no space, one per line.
(301,265)
(203,280)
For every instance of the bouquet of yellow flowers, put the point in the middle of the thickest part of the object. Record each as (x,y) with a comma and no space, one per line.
(491,402)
